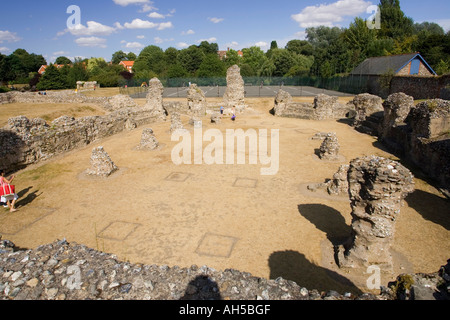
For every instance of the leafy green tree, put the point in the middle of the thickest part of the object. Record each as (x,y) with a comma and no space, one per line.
(63,60)
(394,23)
(191,58)
(302,47)
(283,61)
(208,48)
(232,59)
(52,79)
(211,66)
(171,56)
(131,56)
(76,73)
(119,56)
(255,58)
(358,37)
(153,56)
(177,71)
(247,71)
(425,29)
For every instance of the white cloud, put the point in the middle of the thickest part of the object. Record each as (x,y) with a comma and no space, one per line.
(182,45)
(8,36)
(189,32)
(156,15)
(148,7)
(212,39)
(159,40)
(93,29)
(125,3)
(330,14)
(60,53)
(140,37)
(5,50)
(91,42)
(134,45)
(119,26)
(262,45)
(444,23)
(301,35)
(215,20)
(165,25)
(140,24)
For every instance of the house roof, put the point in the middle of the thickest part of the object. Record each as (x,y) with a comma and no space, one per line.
(127,63)
(381,65)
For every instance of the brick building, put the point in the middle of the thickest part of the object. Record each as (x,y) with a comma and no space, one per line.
(412,64)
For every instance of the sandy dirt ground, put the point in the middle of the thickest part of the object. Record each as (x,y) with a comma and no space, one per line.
(223,216)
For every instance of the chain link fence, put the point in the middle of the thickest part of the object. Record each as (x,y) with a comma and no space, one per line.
(258,86)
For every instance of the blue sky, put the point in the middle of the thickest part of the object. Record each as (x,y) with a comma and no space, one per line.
(129,25)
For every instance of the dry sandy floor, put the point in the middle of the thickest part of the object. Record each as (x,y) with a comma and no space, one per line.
(224,216)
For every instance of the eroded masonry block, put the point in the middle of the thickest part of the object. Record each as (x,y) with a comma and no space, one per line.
(196,101)
(101,163)
(396,109)
(329,150)
(235,93)
(148,140)
(176,123)
(155,98)
(430,119)
(377,187)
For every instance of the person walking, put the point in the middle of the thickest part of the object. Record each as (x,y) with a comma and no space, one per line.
(10,200)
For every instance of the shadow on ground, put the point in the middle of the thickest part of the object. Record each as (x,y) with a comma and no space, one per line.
(432,207)
(294,266)
(327,220)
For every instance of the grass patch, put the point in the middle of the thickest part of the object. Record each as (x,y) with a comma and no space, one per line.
(44,173)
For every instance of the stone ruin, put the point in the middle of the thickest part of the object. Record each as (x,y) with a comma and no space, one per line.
(339,184)
(87,85)
(329,150)
(396,109)
(121,101)
(235,93)
(368,112)
(155,99)
(324,107)
(377,187)
(176,123)
(101,164)
(148,140)
(196,101)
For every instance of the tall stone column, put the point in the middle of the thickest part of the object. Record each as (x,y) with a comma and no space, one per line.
(235,93)
(377,187)
(155,98)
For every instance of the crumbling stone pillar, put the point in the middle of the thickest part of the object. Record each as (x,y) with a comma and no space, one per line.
(282,101)
(196,101)
(235,93)
(329,150)
(377,187)
(176,123)
(396,108)
(365,106)
(148,140)
(155,98)
(339,184)
(101,163)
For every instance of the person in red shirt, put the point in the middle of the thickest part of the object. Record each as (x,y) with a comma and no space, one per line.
(9,200)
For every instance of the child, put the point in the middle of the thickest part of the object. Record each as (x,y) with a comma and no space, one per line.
(9,200)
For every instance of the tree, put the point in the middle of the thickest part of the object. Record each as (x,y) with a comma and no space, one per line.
(232,58)
(119,56)
(208,48)
(211,67)
(177,71)
(52,79)
(191,58)
(394,23)
(283,61)
(425,29)
(77,73)
(300,47)
(359,37)
(131,56)
(63,60)
(171,55)
(255,58)
(153,56)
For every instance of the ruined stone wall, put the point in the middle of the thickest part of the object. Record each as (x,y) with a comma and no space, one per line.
(26,141)
(70,271)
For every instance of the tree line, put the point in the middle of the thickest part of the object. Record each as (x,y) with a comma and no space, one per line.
(326,52)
